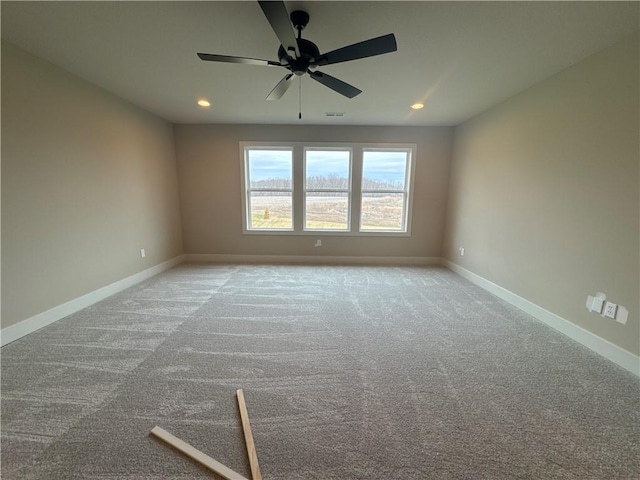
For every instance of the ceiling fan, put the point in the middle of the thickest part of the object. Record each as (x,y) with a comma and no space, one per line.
(300,56)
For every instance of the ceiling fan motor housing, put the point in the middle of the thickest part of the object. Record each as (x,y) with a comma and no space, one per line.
(308,53)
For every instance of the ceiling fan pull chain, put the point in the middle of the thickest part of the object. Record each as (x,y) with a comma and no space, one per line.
(300,98)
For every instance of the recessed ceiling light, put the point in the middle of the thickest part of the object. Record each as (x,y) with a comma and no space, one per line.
(203,103)
(417,106)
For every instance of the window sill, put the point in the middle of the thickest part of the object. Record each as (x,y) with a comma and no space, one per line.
(325,233)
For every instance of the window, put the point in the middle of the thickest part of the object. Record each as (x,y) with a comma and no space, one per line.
(337,189)
(269,195)
(327,189)
(384,190)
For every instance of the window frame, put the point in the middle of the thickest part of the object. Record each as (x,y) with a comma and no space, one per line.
(354,196)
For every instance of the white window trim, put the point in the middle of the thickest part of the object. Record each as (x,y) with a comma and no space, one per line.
(355,197)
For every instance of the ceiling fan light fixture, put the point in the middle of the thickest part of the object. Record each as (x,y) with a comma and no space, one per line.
(204,103)
(417,106)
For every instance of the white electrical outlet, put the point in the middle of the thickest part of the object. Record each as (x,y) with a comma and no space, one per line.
(461,251)
(610,310)
(318,243)
(143,253)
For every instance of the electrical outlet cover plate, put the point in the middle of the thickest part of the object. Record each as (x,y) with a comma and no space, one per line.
(610,310)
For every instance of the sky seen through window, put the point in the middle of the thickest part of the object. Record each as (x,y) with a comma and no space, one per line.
(384,166)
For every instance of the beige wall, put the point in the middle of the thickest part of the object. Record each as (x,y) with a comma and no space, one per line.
(544,192)
(87,180)
(210,190)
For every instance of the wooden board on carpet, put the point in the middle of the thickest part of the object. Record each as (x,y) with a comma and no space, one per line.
(196,454)
(248,437)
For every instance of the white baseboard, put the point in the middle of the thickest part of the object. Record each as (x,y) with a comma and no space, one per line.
(29,325)
(620,356)
(311,259)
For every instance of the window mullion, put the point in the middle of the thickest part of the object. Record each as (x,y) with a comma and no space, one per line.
(298,188)
(279,190)
(384,191)
(356,189)
(330,191)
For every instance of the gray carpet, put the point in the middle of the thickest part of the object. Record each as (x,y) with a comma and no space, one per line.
(348,373)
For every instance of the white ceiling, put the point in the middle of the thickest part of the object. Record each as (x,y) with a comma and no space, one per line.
(459,58)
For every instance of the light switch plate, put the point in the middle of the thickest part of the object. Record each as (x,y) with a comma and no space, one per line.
(622,315)
(596,304)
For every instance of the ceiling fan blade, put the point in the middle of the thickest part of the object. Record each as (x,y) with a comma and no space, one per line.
(334,84)
(280,89)
(367,48)
(280,22)
(211,57)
